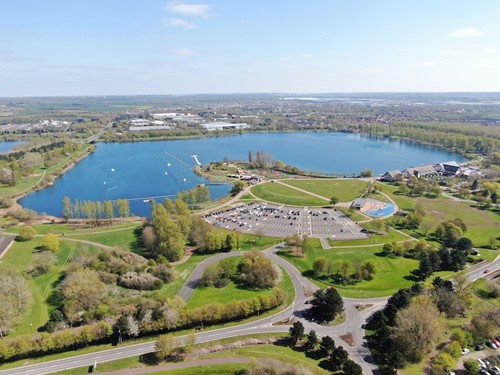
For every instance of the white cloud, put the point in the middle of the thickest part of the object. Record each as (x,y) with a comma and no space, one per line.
(466,32)
(307,56)
(406,49)
(425,64)
(188,9)
(183,52)
(178,22)
(285,59)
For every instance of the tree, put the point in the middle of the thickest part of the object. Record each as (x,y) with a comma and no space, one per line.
(50,243)
(327,346)
(67,209)
(352,368)
(164,347)
(464,244)
(123,207)
(454,349)
(326,304)
(149,240)
(334,201)
(296,332)
(250,156)
(198,234)
(213,243)
(417,329)
(366,173)
(170,238)
(14,297)
(472,366)
(443,364)
(238,186)
(338,357)
(82,290)
(312,340)
(27,233)
(41,263)
(320,266)
(257,271)
(231,242)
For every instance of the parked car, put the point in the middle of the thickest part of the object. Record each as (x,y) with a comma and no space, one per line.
(492,344)
(465,351)
(486,271)
(481,363)
(479,347)
(497,342)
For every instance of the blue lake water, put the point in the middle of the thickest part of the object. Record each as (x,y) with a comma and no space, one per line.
(9,145)
(157,169)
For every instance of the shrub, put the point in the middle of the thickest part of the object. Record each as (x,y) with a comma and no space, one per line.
(163,272)
(41,263)
(50,243)
(140,281)
(27,233)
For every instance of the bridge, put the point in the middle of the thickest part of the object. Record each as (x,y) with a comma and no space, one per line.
(94,138)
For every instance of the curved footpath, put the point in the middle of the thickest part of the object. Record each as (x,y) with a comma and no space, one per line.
(355,318)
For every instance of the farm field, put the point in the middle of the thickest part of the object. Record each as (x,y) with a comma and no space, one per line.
(345,190)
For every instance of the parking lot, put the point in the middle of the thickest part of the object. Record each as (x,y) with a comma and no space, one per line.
(284,221)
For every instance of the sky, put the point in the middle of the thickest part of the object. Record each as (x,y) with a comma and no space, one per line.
(142,47)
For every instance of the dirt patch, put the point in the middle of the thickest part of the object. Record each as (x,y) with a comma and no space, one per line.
(348,339)
(363,307)
(285,322)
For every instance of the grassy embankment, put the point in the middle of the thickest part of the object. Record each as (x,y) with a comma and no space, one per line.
(256,354)
(41,176)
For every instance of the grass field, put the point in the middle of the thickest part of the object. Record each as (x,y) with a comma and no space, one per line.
(278,193)
(18,259)
(343,190)
(392,274)
(234,292)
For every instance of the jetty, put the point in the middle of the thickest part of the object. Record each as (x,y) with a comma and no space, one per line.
(195,157)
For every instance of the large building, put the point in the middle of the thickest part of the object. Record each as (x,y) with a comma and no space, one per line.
(221,125)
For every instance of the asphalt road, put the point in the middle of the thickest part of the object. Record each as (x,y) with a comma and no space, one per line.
(355,319)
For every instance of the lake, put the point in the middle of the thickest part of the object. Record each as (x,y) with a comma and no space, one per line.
(160,169)
(9,145)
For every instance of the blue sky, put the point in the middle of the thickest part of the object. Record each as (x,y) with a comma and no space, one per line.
(128,47)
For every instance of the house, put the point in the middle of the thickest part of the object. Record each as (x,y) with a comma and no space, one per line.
(359,203)
(391,176)
(426,170)
(450,168)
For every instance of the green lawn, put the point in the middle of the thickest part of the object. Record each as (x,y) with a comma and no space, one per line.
(234,292)
(389,278)
(278,193)
(343,190)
